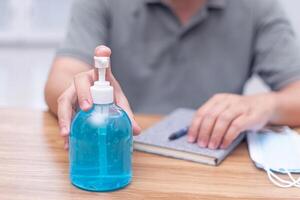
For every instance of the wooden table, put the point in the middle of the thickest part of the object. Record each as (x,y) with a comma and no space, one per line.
(33,165)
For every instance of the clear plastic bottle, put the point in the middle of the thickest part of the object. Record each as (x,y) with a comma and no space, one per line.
(101,144)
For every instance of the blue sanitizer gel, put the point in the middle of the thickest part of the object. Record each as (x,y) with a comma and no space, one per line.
(101,143)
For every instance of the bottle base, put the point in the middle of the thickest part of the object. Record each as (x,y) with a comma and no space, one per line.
(103,184)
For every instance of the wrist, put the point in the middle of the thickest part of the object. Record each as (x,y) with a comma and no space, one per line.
(273,103)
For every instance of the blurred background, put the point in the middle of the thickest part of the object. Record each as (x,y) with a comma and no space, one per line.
(30,31)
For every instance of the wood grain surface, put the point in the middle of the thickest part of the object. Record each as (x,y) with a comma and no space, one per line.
(34,165)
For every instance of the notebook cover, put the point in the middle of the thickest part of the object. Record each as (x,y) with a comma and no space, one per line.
(158,134)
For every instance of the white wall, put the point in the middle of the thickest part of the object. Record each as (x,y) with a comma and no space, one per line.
(30,31)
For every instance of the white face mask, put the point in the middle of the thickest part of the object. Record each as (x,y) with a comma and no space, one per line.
(276,152)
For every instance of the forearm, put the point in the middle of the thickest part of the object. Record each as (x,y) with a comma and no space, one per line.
(60,78)
(287,109)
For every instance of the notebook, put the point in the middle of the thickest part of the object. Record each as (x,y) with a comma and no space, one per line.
(155,140)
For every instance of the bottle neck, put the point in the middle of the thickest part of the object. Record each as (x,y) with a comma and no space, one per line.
(103,108)
(106,104)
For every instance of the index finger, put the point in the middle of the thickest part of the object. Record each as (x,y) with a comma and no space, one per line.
(198,118)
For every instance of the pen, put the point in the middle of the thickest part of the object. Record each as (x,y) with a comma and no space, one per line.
(179,133)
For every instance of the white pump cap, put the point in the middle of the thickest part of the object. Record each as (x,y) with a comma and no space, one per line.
(102,92)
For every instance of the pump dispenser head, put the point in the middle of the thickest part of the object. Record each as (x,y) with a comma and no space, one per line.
(102,91)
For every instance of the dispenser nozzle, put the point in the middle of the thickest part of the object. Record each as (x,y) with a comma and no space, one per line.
(101,63)
(101,91)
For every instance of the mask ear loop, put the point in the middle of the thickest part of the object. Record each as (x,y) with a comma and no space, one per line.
(296,181)
(278,181)
(281,182)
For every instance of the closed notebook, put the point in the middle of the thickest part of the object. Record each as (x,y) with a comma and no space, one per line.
(155,140)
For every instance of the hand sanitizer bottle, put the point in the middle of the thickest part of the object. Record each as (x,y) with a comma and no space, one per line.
(101,140)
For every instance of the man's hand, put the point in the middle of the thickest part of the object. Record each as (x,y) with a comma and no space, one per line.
(223,117)
(78,94)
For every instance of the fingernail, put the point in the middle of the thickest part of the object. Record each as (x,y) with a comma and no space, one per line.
(212,146)
(139,129)
(64,131)
(136,127)
(136,131)
(191,139)
(202,144)
(98,49)
(66,146)
(85,104)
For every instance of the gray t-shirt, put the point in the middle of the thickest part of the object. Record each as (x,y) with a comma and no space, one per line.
(162,65)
